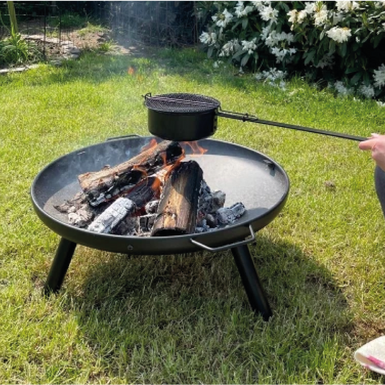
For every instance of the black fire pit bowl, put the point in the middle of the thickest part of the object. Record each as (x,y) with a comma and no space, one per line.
(245,176)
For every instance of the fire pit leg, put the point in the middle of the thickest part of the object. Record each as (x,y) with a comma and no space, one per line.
(251,281)
(59,265)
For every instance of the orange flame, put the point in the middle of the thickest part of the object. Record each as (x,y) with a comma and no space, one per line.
(152,144)
(156,185)
(196,148)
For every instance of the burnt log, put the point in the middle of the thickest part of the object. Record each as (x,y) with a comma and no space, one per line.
(178,204)
(103,185)
(115,218)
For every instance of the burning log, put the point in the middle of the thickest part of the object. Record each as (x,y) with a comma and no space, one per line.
(178,204)
(101,186)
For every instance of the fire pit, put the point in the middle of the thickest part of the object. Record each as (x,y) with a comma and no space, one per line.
(244,174)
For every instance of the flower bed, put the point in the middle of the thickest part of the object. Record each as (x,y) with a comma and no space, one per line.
(339,42)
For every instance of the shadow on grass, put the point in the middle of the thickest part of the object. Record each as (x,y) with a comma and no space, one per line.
(181,318)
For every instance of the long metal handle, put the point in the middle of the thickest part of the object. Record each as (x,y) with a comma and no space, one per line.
(255,119)
(226,247)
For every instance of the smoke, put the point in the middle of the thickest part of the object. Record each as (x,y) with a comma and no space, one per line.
(156,23)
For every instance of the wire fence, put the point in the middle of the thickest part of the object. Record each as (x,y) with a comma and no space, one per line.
(156,23)
(39,23)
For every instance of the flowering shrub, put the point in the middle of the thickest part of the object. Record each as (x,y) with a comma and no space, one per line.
(341,42)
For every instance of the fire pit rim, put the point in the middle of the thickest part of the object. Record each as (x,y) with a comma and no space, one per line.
(201,237)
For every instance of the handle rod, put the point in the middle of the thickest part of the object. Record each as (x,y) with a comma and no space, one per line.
(254,119)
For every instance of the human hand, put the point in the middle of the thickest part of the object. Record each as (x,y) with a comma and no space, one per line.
(376,143)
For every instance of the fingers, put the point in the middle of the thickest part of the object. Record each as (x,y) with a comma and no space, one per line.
(367,144)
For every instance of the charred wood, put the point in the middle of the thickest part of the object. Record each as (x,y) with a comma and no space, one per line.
(228,215)
(179,201)
(113,215)
(103,185)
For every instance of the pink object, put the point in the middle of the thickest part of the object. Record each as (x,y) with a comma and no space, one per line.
(372,355)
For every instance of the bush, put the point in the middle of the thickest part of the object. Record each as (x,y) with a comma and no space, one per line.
(340,42)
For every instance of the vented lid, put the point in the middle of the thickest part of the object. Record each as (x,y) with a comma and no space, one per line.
(181,103)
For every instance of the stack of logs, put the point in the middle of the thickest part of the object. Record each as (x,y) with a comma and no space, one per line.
(153,194)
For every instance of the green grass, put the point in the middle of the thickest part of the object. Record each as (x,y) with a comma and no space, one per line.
(185,318)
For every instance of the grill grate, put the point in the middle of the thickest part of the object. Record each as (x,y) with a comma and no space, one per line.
(181,103)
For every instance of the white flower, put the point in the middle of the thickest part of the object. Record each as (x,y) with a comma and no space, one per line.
(281,54)
(326,61)
(230,48)
(301,16)
(367,91)
(209,38)
(310,7)
(249,46)
(346,6)
(257,3)
(292,16)
(274,38)
(241,10)
(342,89)
(272,77)
(320,16)
(339,35)
(268,14)
(223,19)
(379,76)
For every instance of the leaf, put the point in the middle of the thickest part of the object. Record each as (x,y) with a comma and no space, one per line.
(245,22)
(351,70)
(238,53)
(377,40)
(356,78)
(210,51)
(332,47)
(245,59)
(366,79)
(309,57)
(343,49)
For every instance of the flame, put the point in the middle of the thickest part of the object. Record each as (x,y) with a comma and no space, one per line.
(130,71)
(142,170)
(151,145)
(196,148)
(157,184)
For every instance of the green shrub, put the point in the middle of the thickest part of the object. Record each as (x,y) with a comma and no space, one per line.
(340,42)
(15,50)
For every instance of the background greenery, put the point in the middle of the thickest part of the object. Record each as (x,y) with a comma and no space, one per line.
(186,318)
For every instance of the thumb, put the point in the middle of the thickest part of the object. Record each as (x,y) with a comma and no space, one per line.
(367,144)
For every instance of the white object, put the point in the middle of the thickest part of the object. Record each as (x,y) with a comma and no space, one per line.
(372,355)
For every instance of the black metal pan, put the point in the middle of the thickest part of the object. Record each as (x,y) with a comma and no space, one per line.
(189,117)
(245,176)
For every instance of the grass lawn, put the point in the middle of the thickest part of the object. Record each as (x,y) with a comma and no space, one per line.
(186,318)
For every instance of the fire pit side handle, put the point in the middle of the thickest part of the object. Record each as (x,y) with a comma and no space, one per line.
(226,247)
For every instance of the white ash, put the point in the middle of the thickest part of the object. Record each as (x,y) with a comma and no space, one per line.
(152,207)
(228,215)
(80,217)
(146,222)
(112,216)
(210,201)
(128,226)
